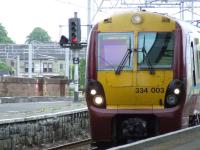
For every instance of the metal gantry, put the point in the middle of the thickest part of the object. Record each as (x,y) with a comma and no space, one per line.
(187,10)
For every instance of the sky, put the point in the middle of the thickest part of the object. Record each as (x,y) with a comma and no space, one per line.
(20,17)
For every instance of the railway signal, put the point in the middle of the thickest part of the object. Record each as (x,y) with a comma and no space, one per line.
(74,30)
(63,41)
(74,39)
(75,44)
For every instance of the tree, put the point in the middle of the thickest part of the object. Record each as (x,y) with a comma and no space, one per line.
(38,34)
(4,66)
(4,39)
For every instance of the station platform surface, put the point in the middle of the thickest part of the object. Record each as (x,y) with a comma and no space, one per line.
(184,139)
(23,109)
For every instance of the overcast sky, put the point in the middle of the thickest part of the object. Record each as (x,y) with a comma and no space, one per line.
(20,17)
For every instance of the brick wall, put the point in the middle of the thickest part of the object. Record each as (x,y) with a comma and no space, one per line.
(13,86)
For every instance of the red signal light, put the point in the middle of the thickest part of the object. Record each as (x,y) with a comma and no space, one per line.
(74,40)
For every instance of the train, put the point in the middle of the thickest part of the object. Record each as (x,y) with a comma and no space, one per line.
(142,77)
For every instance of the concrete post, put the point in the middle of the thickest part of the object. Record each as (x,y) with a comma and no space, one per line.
(76,78)
(67,62)
(88,17)
(18,66)
(30,48)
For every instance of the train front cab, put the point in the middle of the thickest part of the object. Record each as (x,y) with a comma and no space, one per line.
(134,77)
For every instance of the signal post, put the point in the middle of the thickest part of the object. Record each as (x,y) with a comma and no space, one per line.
(74,43)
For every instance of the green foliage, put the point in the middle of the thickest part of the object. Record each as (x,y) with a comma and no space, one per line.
(4,39)
(4,66)
(71,71)
(82,73)
(38,34)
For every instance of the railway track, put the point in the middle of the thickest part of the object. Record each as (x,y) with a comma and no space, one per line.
(80,145)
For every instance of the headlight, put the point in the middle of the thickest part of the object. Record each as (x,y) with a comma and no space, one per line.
(172,100)
(177,91)
(93,92)
(137,19)
(98,100)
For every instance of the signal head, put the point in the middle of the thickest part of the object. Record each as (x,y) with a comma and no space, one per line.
(63,41)
(74,30)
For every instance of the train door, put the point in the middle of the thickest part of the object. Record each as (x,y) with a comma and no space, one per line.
(193,79)
(194,56)
(195,48)
(189,63)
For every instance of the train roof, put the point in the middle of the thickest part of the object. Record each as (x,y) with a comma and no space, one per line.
(186,27)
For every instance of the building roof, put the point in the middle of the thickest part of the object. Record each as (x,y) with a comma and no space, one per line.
(39,51)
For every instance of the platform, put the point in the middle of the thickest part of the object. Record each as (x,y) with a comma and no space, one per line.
(27,107)
(185,139)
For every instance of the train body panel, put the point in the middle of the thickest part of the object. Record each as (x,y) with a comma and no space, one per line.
(191,49)
(105,125)
(135,89)
(143,76)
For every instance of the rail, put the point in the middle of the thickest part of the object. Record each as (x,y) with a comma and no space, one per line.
(73,145)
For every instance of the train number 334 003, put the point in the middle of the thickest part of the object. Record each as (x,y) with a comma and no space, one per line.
(149,90)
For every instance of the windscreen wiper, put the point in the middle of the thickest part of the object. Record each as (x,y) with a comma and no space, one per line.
(123,61)
(150,67)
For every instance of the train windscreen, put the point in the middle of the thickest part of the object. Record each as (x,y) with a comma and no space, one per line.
(112,48)
(155,49)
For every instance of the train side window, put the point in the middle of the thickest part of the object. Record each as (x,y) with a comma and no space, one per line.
(112,47)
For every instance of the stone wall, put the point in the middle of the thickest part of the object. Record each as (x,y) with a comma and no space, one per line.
(13,86)
(41,132)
